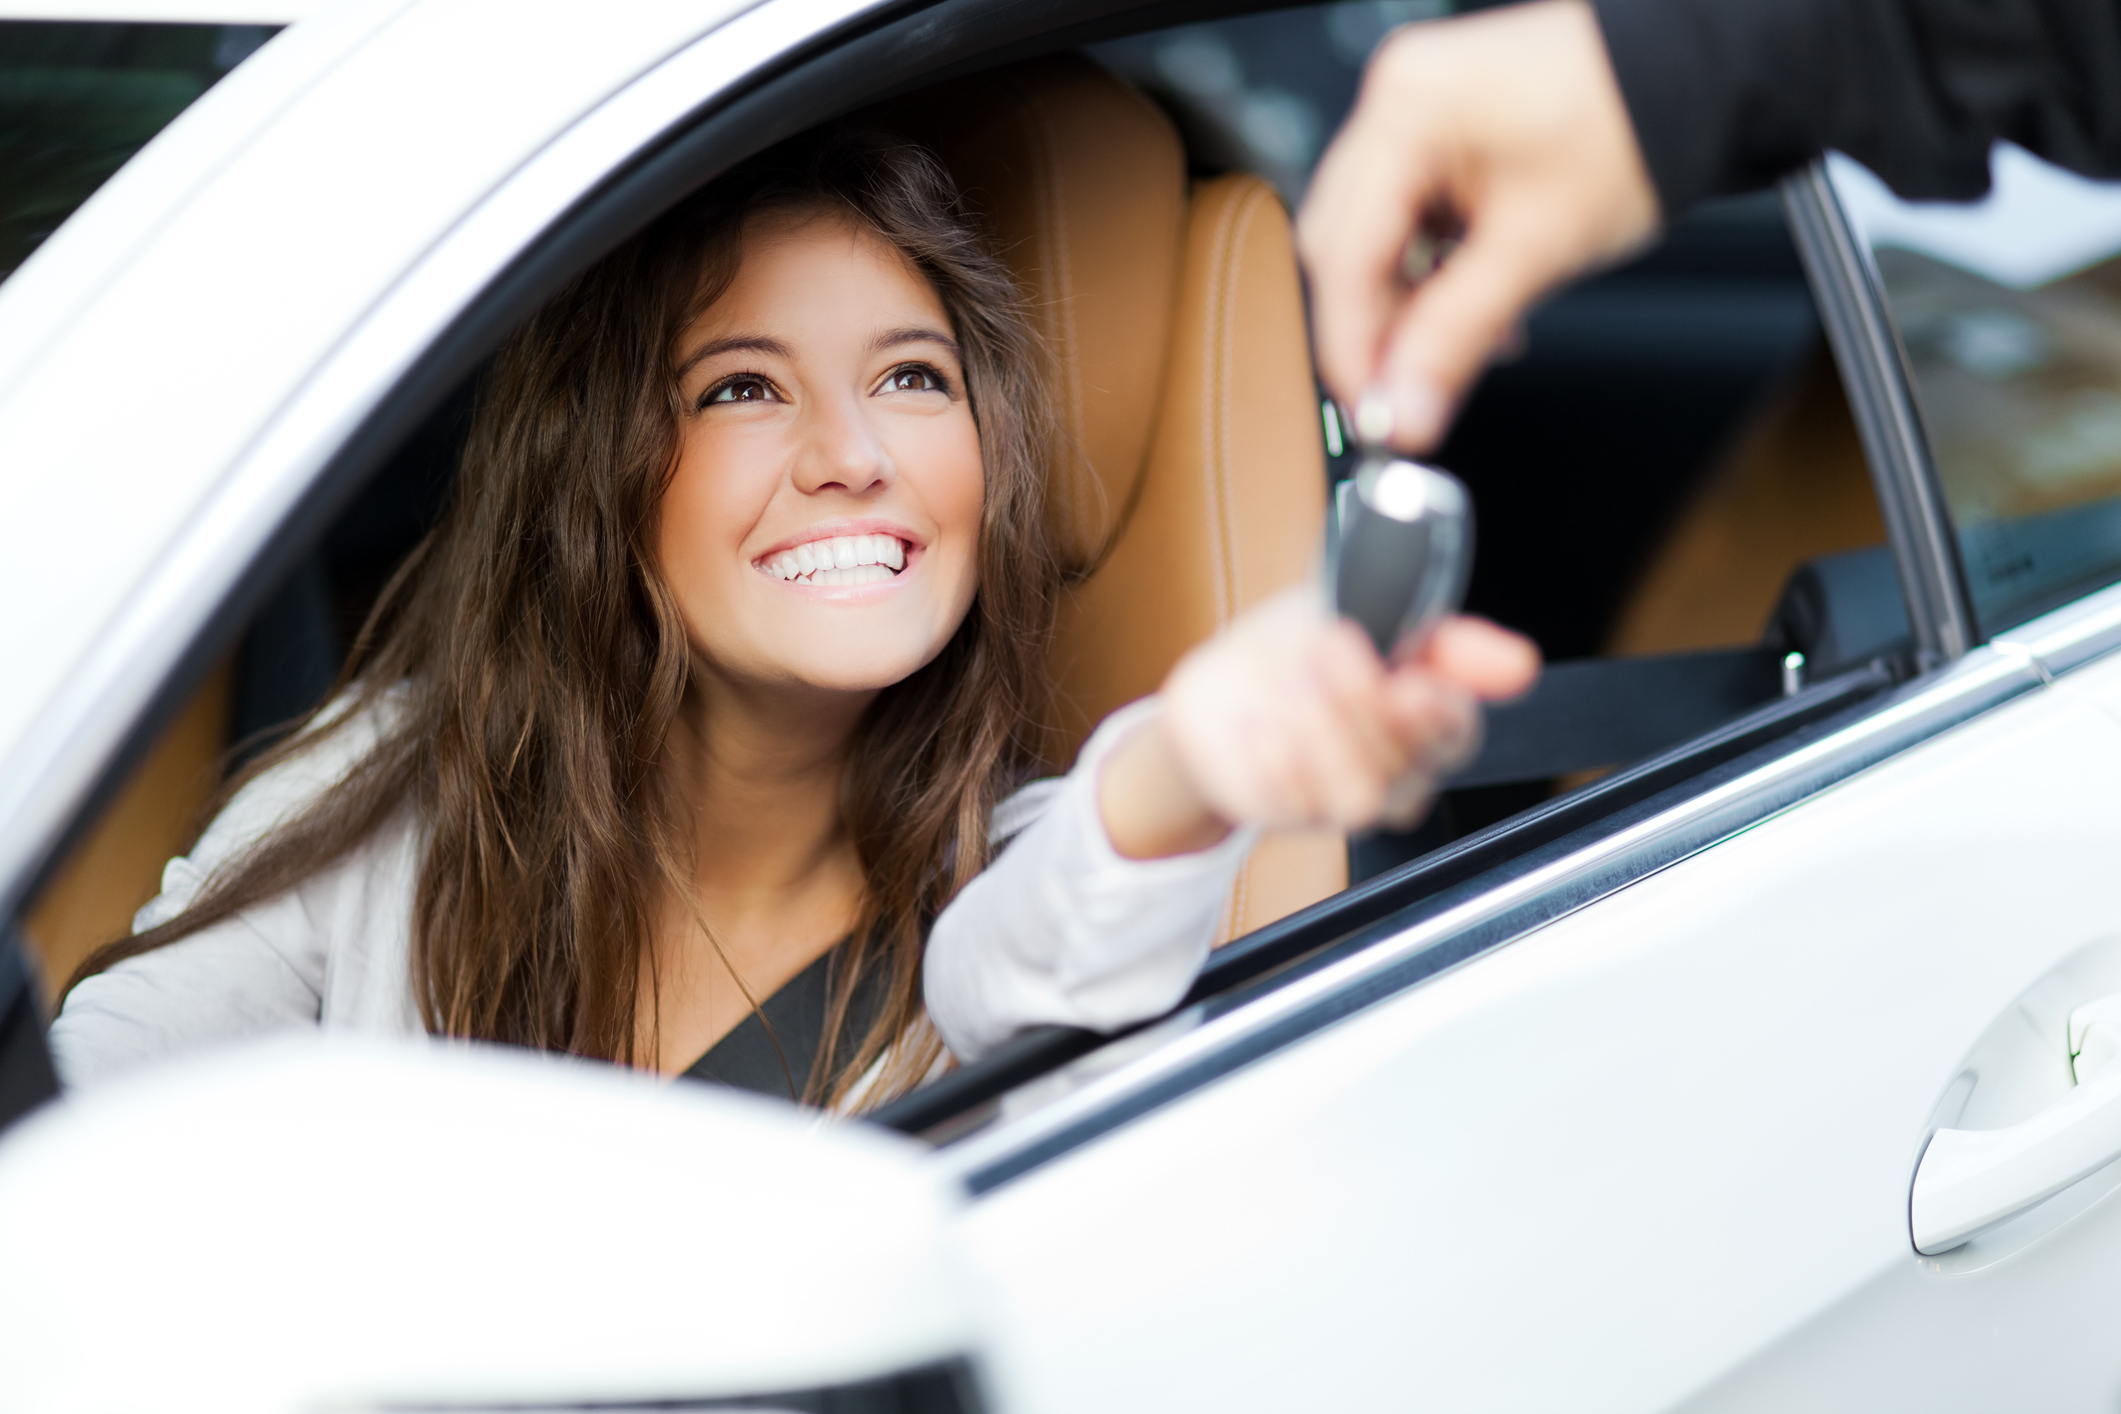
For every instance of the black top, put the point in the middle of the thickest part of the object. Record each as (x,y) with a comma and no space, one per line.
(748,1058)
(1729,95)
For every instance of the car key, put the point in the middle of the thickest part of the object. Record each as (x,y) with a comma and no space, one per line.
(1405,548)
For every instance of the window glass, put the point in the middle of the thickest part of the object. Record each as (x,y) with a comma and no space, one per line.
(77,100)
(2010,310)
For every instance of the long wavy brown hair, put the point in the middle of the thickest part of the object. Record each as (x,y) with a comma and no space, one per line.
(528,661)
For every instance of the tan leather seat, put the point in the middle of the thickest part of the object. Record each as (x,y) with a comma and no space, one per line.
(117,865)
(1192,481)
(1793,486)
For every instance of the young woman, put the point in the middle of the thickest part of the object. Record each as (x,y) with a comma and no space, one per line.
(691,730)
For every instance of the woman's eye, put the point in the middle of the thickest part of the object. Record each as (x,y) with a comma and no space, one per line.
(916,379)
(739,390)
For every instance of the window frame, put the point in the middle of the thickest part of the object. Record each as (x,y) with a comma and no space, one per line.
(1879,383)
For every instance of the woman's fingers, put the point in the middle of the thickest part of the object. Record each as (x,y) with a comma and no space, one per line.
(1347,753)
(1351,676)
(1437,720)
(1488,661)
(1289,718)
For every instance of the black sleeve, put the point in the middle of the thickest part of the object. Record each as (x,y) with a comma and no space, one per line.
(1728,95)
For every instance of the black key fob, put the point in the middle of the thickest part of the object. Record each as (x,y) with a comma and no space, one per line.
(1404,551)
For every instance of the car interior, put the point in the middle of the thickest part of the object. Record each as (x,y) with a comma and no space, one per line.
(1671,498)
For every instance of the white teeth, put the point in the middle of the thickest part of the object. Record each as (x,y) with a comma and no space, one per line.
(860,574)
(844,559)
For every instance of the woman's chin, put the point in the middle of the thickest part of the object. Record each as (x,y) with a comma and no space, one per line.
(831,647)
(858,667)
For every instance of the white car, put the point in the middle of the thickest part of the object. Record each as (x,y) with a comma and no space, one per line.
(1734,1037)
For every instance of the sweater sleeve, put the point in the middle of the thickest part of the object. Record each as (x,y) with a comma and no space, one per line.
(1729,95)
(261,971)
(1061,929)
(248,976)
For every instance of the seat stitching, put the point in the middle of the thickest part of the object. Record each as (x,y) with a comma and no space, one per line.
(1211,414)
(1226,368)
(1088,490)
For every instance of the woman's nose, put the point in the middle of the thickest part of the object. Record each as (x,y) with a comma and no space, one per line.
(841,448)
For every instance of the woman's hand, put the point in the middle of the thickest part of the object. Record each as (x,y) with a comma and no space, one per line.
(1289,718)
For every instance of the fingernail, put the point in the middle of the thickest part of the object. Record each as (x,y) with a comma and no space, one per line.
(1375,418)
(1417,414)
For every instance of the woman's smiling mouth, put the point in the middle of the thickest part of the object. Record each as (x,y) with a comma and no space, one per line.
(839,559)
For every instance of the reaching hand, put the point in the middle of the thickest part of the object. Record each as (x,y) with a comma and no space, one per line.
(1289,718)
(1507,124)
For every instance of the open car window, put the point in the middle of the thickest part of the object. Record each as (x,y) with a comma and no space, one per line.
(2009,311)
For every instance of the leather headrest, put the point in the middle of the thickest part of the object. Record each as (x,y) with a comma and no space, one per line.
(1083,182)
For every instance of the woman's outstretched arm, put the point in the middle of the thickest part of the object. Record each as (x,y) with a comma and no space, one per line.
(1101,913)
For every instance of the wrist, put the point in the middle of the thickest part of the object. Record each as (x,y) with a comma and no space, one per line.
(1148,802)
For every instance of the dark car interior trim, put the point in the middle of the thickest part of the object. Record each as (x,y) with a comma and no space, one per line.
(27,1079)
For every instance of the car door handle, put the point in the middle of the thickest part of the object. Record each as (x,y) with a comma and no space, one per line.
(1971,1178)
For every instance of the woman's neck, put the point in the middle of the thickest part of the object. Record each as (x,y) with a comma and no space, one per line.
(761,771)
(756,776)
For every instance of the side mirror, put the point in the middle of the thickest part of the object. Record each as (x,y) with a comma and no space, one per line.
(318,1223)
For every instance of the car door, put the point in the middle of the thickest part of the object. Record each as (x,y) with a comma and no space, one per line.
(1638,1125)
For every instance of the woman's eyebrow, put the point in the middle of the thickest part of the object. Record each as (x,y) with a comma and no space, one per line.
(735,343)
(913,334)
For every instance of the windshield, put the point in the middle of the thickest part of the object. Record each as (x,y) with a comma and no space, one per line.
(2010,311)
(77,100)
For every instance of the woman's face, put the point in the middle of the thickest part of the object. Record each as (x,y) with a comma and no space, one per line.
(822,526)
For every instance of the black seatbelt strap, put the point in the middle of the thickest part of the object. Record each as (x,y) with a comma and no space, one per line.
(1590,713)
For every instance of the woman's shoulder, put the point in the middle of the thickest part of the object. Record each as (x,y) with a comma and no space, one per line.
(344,733)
